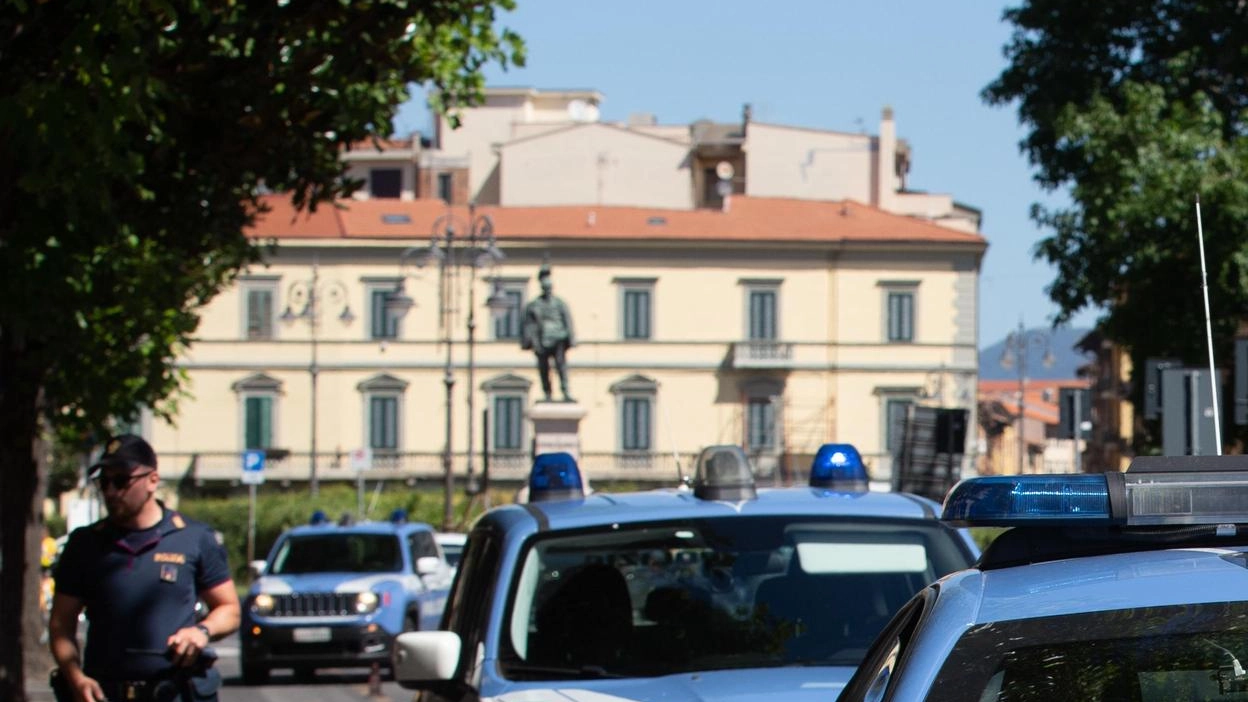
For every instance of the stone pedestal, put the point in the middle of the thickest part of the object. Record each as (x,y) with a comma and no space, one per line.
(556,427)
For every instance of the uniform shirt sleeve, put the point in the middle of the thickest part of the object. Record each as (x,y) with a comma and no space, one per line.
(214,567)
(71,573)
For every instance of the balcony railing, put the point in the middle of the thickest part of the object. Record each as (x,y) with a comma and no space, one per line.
(508,467)
(762,354)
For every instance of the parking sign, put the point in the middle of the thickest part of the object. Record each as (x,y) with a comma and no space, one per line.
(253,467)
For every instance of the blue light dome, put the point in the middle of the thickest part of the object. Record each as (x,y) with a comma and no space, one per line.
(555,476)
(838,467)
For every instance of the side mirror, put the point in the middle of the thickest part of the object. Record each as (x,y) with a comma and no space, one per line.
(427,657)
(428,565)
(256,568)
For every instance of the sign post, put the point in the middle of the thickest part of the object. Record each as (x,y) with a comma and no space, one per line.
(361,460)
(253,475)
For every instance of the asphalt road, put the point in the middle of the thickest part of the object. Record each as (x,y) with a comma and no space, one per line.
(329,685)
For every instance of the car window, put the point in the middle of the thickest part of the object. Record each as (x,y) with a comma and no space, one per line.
(337,553)
(1184,652)
(452,552)
(707,594)
(423,545)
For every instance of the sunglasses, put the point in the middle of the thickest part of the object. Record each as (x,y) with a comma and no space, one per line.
(118,482)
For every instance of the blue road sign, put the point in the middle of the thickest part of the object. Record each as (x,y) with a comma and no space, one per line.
(253,467)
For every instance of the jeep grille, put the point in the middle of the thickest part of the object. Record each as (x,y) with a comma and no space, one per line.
(314,604)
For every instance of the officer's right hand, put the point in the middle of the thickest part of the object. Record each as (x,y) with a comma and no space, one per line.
(86,689)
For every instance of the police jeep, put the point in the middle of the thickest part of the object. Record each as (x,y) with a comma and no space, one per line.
(1114,587)
(726,590)
(336,595)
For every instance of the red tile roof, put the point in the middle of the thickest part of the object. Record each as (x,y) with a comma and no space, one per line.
(746,219)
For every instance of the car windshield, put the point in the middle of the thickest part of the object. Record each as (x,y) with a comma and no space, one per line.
(337,553)
(1185,652)
(706,594)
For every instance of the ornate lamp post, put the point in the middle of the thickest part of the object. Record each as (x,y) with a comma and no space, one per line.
(304,299)
(1018,344)
(453,242)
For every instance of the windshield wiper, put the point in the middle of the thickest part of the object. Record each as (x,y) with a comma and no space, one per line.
(585,672)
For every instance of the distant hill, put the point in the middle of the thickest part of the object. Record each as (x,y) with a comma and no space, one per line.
(1066,358)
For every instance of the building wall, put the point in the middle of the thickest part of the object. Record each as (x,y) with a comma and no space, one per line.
(808,164)
(832,386)
(595,164)
(499,120)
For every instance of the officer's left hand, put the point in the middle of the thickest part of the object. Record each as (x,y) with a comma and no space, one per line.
(185,645)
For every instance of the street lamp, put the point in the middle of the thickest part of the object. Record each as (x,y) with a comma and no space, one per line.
(304,299)
(1018,344)
(476,247)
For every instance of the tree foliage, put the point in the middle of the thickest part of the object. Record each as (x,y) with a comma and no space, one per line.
(1135,108)
(135,137)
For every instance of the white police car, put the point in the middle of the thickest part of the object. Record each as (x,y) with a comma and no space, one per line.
(336,595)
(1122,587)
(726,591)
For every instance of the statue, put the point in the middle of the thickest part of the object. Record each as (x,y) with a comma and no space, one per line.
(548,332)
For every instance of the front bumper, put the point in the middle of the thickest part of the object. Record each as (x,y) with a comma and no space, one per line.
(337,645)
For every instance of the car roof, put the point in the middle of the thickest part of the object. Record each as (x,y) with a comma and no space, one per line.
(667,504)
(1106,582)
(360,528)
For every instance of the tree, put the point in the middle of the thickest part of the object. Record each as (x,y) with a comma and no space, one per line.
(136,137)
(1136,108)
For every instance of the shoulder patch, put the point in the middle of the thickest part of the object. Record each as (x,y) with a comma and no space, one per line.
(177,521)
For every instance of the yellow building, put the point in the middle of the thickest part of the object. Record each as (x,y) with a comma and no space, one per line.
(708,307)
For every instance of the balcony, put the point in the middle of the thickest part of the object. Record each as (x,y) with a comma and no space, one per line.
(754,355)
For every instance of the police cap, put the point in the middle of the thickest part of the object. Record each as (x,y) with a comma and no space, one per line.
(125,451)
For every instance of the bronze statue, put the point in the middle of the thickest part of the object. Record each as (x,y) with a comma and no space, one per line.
(548,332)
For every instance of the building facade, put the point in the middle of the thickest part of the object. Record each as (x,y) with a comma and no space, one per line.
(772,287)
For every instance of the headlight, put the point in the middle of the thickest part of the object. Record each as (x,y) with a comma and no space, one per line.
(263,604)
(365,602)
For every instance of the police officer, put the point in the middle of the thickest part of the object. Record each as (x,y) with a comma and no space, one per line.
(138,573)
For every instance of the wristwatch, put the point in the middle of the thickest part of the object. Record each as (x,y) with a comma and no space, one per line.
(204,629)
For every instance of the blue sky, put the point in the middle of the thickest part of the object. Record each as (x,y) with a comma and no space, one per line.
(825,64)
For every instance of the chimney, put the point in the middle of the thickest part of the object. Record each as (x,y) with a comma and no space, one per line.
(886,183)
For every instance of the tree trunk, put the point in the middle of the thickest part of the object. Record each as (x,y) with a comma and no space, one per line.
(20,515)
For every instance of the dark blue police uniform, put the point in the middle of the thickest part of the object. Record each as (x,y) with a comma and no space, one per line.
(139,588)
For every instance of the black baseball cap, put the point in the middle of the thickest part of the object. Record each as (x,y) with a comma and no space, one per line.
(125,451)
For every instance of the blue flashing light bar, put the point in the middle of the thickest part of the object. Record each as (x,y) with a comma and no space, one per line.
(1163,492)
(724,473)
(398,516)
(318,518)
(1017,500)
(555,476)
(838,467)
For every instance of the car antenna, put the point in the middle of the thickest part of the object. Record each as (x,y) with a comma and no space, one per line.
(1204,286)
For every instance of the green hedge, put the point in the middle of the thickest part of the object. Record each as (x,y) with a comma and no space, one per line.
(278,510)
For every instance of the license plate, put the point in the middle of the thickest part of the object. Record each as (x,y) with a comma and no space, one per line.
(311,634)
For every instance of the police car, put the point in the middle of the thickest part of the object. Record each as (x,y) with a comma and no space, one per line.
(336,595)
(725,590)
(1123,587)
